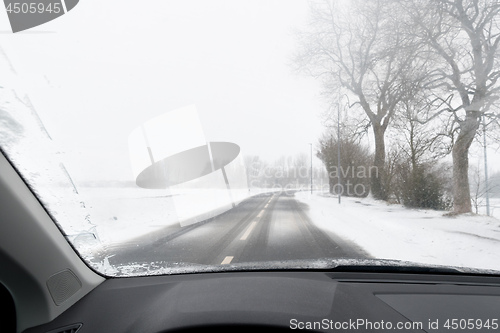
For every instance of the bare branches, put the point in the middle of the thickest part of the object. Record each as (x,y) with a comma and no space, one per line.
(441,58)
(358,49)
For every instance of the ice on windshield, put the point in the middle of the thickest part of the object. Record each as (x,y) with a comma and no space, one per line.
(211,135)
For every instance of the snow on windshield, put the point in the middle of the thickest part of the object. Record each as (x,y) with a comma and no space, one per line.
(211,135)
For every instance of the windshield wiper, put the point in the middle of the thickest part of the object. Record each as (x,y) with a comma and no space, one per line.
(396,269)
(401,266)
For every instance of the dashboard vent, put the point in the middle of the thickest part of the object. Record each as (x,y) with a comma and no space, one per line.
(67,329)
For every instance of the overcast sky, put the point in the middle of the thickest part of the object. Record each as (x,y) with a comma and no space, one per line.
(111,65)
(104,68)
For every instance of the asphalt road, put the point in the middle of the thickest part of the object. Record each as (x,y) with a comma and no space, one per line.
(261,228)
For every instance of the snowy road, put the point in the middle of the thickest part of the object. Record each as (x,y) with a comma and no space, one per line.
(263,227)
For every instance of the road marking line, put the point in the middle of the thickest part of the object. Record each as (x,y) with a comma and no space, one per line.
(227,260)
(260,213)
(249,230)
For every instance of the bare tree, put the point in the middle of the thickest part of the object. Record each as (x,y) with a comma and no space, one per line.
(361,49)
(414,175)
(464,37)
(255,168)
(479,188)
(351,177)
(418,139)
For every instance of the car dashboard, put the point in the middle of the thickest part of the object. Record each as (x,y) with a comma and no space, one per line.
(286,300)
(53,291)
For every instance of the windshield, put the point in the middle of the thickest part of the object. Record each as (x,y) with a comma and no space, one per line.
(187,136)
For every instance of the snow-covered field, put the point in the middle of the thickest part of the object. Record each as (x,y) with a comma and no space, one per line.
(384,231)
(121,214)
(395,232)
(494,207)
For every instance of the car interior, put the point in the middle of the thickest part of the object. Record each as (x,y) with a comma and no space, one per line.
(180,166)
(46,287)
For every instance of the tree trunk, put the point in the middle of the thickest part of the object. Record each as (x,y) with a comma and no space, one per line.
(377,174)
(460,154)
